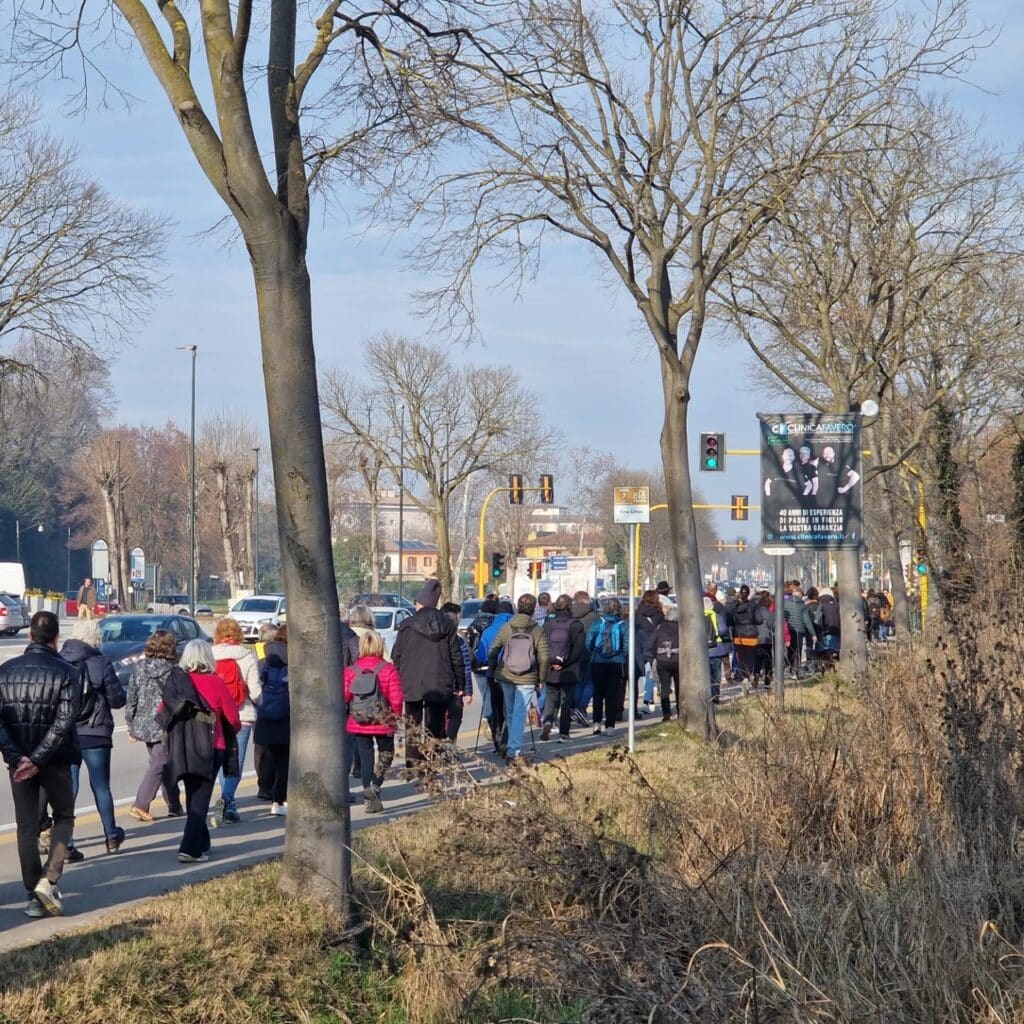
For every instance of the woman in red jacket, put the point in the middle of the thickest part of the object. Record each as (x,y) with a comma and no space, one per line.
(373,696)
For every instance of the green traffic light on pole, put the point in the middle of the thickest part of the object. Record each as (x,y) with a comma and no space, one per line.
(712,452)
(497,565)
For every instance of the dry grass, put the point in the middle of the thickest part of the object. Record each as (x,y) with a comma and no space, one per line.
(854,860)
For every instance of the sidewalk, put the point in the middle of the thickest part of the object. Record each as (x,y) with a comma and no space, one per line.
(147,865)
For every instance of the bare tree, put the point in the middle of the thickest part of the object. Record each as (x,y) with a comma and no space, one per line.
(225,444)
(460,421)
(663,135)
(854,289)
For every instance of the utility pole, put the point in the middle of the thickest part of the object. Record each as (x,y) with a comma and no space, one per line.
(192,489)
(256,526)
(401,505)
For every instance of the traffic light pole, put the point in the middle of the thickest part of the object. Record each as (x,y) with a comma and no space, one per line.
(481,565)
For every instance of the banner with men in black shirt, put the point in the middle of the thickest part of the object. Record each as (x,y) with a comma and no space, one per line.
(811,489)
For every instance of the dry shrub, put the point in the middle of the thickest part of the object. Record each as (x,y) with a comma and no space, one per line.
(853,859)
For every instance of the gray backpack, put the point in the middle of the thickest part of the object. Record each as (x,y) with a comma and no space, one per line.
(519,654)
(368,706)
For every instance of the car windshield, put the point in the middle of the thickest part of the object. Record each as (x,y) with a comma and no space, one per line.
(132,629)
(256,604)
(383,620)
(388,600)
(9,600)
(471,609)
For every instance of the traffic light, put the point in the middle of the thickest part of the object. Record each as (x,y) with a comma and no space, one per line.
(921,562)
(547,489)
(529,569)
(535,570)
(719,545)
(741,507)
(497,565)
(741,545)
(712,452)
(515,488)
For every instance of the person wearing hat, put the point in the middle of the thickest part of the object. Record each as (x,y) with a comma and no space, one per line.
(663,590)
(429,660)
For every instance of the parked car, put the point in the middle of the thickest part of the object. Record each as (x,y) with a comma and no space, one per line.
(14,615)
(386,621)
(169,604)
(123,637)
(470,610)
(382,601)
(252,612)
(71,605)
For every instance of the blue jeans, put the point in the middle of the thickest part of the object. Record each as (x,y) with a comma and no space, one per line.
(648,682)
(716,677)
(584,688)
(517,700)
(97,763)
(229,783)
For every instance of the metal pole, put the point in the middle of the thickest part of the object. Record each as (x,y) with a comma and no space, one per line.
(17,540)
(256,527)
(780,620)
(67,585)
(631,704)
(401,506)
(192,490)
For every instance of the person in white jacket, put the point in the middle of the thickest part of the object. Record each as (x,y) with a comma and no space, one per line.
(238,666)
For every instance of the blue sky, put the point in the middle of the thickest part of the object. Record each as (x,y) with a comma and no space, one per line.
(573,338)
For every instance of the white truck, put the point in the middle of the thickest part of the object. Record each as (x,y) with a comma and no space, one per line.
(560,574)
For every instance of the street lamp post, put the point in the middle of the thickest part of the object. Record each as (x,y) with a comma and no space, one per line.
(17,536)
(67,584)
(192,490)
(256,527)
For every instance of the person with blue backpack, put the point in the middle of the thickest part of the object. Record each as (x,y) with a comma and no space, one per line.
(607,645)
(272,730)
(494,702)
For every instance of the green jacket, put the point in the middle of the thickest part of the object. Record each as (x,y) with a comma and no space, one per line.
(521,624)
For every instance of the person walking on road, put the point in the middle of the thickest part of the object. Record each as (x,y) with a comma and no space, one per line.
(649,616)
(102,694)
(145,692)
(271,734)
(86,600)
(567,644)
(522,649)
(373,696)
(237,665)
(494,709)
(40,697)
(584,613)
(666,660)
(427,655)
(460,698)
(200,719)
(606,644)
(747,619)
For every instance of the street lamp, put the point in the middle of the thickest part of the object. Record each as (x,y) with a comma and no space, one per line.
(256,527)
(192,489)
(17,536)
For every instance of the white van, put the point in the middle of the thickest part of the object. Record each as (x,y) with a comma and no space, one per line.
(12,578)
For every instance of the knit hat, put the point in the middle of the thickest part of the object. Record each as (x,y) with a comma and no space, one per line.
(429,595)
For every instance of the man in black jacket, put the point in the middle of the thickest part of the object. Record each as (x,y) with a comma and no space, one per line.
(428,657)
(40,696)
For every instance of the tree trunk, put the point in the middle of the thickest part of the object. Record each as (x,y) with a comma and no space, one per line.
(956,581)
(444,552)
(317,860)
(891,553)
(247,538)
(694,670)
(220,475)
(110,509)
(854,640)
(373,480)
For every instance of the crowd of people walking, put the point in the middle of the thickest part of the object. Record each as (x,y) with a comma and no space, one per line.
(555,663)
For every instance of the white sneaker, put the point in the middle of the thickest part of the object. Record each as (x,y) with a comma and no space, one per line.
(47,894)
(597,729)
(279,810)
(187,858)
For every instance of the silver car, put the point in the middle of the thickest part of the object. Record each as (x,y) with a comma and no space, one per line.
(261,609)
(14,615)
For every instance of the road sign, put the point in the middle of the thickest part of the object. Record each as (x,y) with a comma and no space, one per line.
(995,517)
(632,504)
(867,568)
(558,563)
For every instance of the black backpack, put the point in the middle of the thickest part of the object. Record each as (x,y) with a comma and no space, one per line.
(560,640)
(368,706)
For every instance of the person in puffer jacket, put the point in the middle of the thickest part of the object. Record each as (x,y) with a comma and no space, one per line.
(228,646)
(145,692)
(102,692)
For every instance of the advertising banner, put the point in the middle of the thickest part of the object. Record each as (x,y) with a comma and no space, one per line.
(811,488)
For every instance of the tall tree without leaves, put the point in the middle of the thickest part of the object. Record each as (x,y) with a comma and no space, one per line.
(663,135)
